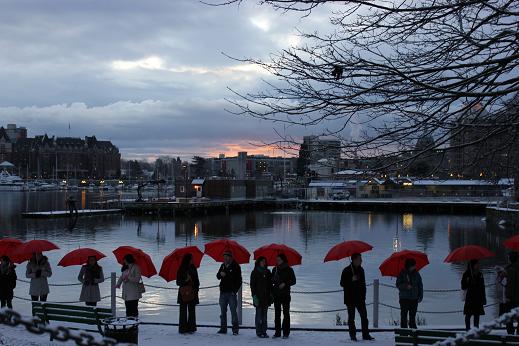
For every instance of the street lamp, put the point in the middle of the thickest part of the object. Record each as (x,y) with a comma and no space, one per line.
(185,166)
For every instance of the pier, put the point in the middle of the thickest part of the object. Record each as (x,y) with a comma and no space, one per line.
(65,213)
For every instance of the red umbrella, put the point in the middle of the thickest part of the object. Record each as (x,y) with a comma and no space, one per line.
(79,257)
(142,259)
(270,252)
(34,246)
(172,262)
(346,249)
(512,243)
(216,248)
(467,253)
(393,265)
(9,247)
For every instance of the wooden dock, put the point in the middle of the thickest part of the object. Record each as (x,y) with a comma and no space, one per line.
(66,213)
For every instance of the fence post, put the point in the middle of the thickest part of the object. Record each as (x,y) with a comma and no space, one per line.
(375,302)
(240,305)
(113,293)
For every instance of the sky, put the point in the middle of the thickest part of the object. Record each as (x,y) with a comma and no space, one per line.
(150,76)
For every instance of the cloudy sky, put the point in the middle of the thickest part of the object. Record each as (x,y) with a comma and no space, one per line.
(148,75)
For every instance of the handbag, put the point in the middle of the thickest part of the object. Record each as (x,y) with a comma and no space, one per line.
(140,287)
(187,293)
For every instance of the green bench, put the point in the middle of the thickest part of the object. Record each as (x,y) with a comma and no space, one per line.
(407,337)
(88,315)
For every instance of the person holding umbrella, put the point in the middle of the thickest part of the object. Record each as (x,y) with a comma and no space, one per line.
(353,280)
(7,282)
(261,286)
(230,278)
(38,270)
(91,275)
(512,287)
(131,282)
(473,284)
(187,280)
(283,278)
(410,292)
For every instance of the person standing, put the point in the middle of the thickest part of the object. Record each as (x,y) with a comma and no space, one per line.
(473,284)
(7,282)
(410,292)
(230,278)
(38,270)
(91,275)
(189,284)
(261,286)
(353,280)
(512,288)
(131,282)
(283,278)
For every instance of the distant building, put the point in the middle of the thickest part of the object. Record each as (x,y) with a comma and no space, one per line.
(222,188)
(319,156)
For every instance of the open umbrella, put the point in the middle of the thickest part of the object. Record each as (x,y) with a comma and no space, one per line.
(512,243)
(346,249)
(34,246)
(171,263)
(216,248)
(393,265)
(271,251)
(467,253)
(9,247)
(79,257)
(142,259)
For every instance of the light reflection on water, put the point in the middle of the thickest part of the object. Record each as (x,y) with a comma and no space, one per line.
(311,233)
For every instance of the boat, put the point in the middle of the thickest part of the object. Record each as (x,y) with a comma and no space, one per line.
(11,182)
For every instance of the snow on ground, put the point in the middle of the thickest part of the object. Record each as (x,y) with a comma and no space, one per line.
(166,336)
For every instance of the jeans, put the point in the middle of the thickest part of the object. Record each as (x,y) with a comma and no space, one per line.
(7,302)
(261,320)
(187,318)
(408,307)
(467,321)
(285,306)
(42,298)
(228,298)
(361,308)
(132,308)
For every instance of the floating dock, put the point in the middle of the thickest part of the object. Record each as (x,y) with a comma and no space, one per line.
(66,213)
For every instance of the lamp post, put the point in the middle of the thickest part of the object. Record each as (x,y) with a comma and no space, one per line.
(185,167)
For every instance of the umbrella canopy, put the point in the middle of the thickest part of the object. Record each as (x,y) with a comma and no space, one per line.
(512,243)
(142,259)
(271,251)
(9,247)
(393,265)
(467,253)
(216,248)
(171,263)
(34,246)
(79,257)
(346,249)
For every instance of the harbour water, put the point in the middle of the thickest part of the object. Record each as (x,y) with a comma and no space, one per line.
(312,233)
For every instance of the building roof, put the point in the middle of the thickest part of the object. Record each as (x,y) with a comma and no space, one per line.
(456,182)
(353,172)
(198,181)
(324,183)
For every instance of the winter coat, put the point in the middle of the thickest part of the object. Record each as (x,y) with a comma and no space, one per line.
(7,281)
(39,284)
(414,279)
(261,285)
(512,283)
(182,281)
(353,281)
(475,298)
(232,280)
(282,274)
(90,277)
(130,280)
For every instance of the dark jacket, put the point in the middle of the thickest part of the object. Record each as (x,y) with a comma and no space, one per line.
(261,285)
(7,281)
(475,298)
(512,283)
(353,281)
(182,281)
(282,274)
(414,279)
(232,280)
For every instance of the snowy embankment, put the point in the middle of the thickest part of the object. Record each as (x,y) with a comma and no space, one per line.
(167,336)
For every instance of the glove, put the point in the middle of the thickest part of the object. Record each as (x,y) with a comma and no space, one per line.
(255,300)
(38,273)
